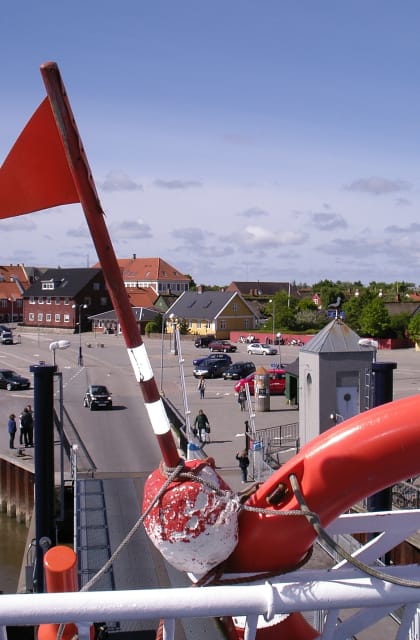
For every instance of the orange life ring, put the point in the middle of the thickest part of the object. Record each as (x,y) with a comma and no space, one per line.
(337,469)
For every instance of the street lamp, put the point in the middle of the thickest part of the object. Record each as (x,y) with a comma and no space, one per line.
(274,313)
(173,320)
(60,344)
(12,300)
(80,307)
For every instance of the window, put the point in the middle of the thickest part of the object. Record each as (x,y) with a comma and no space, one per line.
(40,300)
(246,324)
(198,324)
(57,317)
(223,324)
(31,300)
(96,286)
(48,285)
(66,301)
(104,302)
(31,317)
(235,307)
(40,317)
(57,300)
(48,317)
(66,317)
(48,300)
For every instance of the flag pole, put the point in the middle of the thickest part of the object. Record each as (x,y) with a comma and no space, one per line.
(91,205)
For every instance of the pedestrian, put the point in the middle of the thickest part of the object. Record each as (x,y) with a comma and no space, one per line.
(21,430)
(27,423)
(202,426)
(30,425)
(201,387)
(242,398)
(243,460)
(11,428)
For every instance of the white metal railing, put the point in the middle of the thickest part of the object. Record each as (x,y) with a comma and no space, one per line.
(327,591)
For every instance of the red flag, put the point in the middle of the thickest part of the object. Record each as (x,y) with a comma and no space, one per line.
(36,174)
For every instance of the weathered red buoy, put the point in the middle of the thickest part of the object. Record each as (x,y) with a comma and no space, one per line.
(193,526)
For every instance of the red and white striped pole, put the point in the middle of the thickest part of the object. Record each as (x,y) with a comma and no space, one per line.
(89,200)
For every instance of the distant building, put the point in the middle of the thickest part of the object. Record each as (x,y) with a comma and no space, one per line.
(58,298)
(213,312)
(13,282)
(258,289)
(152,272)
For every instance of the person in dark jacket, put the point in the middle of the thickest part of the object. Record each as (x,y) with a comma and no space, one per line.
(11,428)
(243,460)
(27,422)
(202,426)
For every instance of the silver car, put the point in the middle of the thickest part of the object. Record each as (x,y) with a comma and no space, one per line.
(261,349)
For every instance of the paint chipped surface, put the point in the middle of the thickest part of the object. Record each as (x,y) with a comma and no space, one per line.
(192,527)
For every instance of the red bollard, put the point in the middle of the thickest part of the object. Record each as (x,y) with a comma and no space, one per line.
(60,571)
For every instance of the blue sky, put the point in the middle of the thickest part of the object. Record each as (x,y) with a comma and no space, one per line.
(237,140)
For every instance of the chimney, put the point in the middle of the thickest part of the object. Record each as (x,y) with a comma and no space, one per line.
(134,256)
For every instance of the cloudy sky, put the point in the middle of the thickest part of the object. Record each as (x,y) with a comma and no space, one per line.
(236,139)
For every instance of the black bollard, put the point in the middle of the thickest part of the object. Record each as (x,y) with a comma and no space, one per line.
(383,393)
(44,466)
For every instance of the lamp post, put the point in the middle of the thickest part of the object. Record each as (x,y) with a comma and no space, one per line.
(12,300)
(60,344)
(80,356)
(173,320)
(274,313)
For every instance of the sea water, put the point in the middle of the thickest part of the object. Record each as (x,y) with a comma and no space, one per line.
(12,551)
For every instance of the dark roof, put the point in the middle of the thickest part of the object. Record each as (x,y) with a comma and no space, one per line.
(68,282)
(336,337)
(141,314)
(258,288)
(203,306)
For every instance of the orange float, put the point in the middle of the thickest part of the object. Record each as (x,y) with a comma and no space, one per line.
(335,470)
(60,571)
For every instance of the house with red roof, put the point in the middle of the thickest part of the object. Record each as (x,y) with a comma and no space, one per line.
(162,277)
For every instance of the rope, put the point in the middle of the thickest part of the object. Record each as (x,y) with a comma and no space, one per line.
(314,521)
(174,473)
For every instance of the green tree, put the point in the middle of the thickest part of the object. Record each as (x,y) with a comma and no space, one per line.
(399,325)
(414,328)
(374,319)
(353,308)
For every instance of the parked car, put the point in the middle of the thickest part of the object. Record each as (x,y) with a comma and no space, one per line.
(203,341)
(277,382)
(96,396)
(11,380)
(261,349)
(6,336)
(238,370)
(212,367)
(214,357)
(222,345)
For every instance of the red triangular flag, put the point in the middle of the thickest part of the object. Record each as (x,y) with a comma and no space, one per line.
(35,174)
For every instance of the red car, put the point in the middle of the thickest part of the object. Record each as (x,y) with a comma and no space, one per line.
(222,345)
(277,382)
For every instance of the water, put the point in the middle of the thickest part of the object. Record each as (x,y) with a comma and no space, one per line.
(12,549)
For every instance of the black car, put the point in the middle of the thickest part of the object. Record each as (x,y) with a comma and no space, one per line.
(11,380)
(203,341)
(97,396)
(213,357)
(213,366)
(239,370)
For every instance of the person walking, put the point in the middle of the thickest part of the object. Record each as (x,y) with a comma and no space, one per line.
(202,426)
(242,399)
(201,387)
(11,428)
(243,460)
(27,423)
